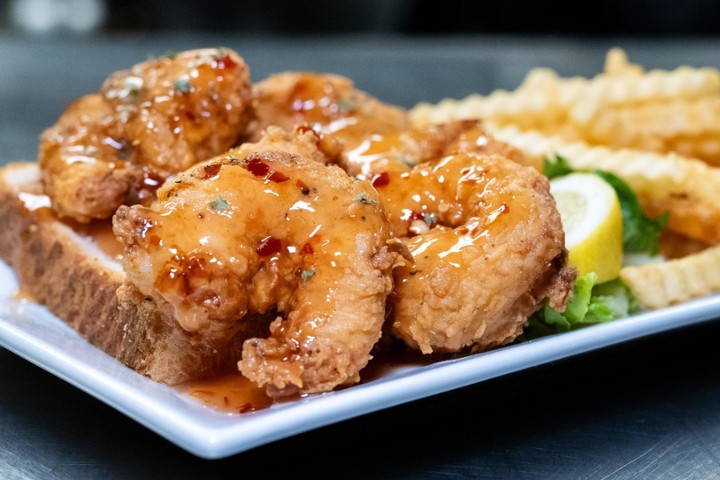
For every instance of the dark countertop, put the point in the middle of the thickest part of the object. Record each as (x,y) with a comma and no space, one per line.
(644,409)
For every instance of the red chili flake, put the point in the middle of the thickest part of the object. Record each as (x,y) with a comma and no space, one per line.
(268,246)
(429,218)
(304,189)
(151,179)
(307,249)
(261,169)
(416,216)
(380,180)
(190,116)
(257,167)
(225,62)
(277,177)
(154,240)
(245,408)
(211,170)
(308,128)
(394,296)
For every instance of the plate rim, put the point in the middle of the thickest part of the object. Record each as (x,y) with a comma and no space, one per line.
(210,434)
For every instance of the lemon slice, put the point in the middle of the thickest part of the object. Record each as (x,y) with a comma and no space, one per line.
(591,218)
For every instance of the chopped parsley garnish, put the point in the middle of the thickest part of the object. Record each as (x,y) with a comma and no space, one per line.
(406,160)
(219,204)
(362,198)
(307,274)
(132,86)
(430,219)
(182,85)
(346,106)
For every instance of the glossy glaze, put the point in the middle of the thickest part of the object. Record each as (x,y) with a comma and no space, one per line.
(329,104)
(263,228)
(158,118)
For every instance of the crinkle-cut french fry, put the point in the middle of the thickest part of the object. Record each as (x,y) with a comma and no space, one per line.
(542,99)
(654,86)
(527,108)
(673,245)
(617,64)
(425,113)
(648,126)
(686,188)
(679,117)
(545,98)
(704,147)
(663,284)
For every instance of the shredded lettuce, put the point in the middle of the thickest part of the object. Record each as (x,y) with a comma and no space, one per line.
(641,234)
(590,304)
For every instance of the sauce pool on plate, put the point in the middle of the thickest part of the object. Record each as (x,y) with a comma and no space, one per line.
(234,394)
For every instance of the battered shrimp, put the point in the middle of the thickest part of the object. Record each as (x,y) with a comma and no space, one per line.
(268,227)
(487,247)
(341,114)
(461,288)
(403,149)
(162,116)
(485,236)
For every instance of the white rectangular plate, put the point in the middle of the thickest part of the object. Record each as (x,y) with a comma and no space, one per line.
(32,332)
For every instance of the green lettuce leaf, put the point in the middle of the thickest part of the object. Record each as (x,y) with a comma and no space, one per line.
(640,232)
(557,167)
(590,304)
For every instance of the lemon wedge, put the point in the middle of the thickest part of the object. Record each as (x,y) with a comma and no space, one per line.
(591,217)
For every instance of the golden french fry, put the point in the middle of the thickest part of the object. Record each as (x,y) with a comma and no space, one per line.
(674,245)
(677,117)
(526,108)
(704,147)
(543,97)
(684,187)
(617,64)
(650,126)
(663,284)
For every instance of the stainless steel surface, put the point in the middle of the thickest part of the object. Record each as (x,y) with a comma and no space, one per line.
(646,409)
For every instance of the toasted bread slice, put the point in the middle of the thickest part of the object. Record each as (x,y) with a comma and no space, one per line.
(74,271)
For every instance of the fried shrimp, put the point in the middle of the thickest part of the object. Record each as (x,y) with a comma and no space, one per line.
(330,104)
(356,128)
(487,247)
(267,227)
(483,230)
(158,118)
(401,150)
(487,251)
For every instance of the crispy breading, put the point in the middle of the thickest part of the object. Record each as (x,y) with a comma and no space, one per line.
(158,118)
(262,229)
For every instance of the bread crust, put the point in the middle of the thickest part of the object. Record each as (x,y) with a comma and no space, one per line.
(57,268)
